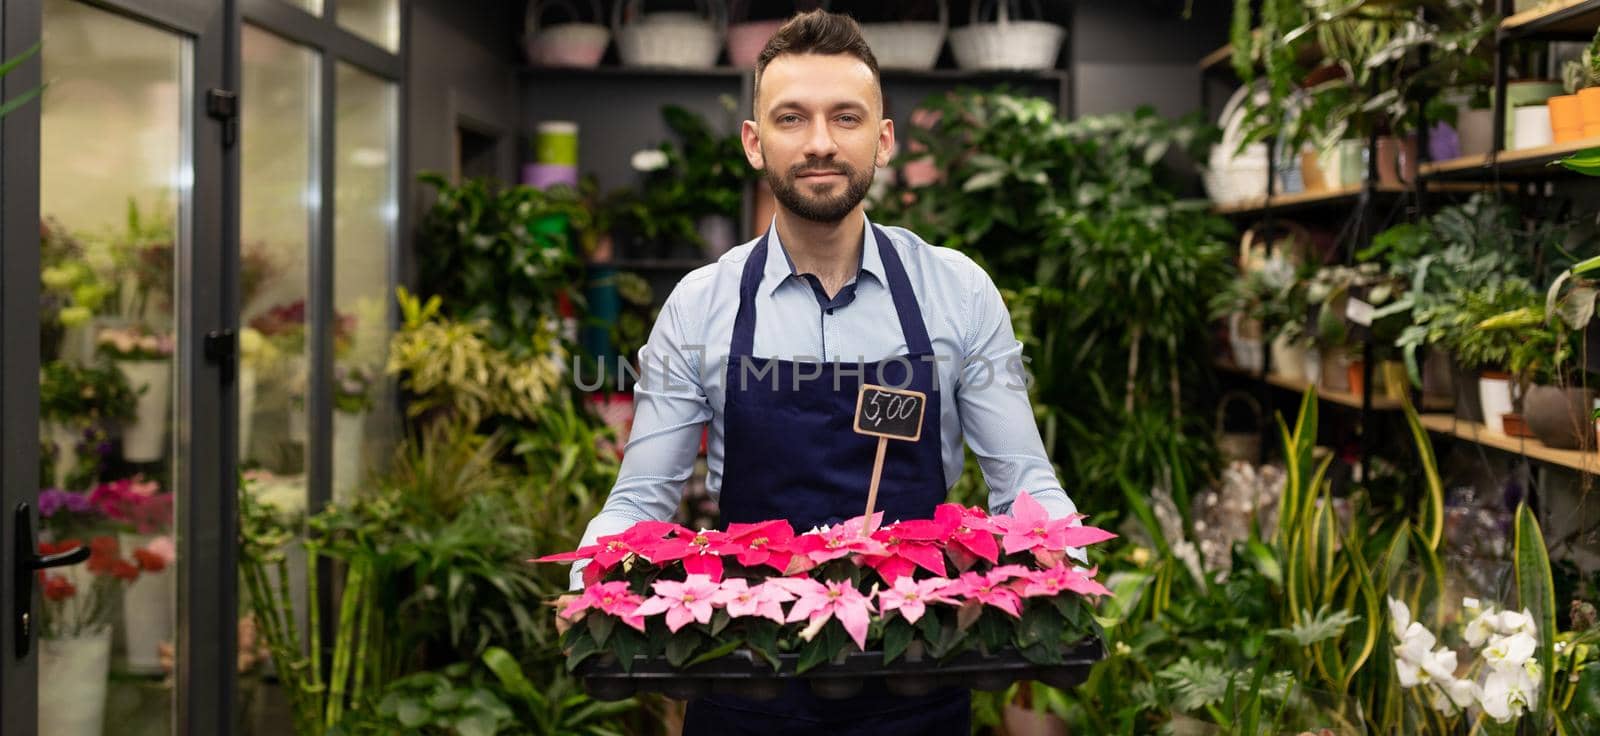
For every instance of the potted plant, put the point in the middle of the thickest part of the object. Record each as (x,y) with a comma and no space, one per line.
(352,400)
(76,404)
(670,609)
(1480,328)
(145,359)
(70,292)
(694,190)
(141,514)
(75,619)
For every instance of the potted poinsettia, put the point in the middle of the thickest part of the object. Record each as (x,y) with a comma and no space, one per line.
(927,601)
(142,514)
(75,620)
(145,359)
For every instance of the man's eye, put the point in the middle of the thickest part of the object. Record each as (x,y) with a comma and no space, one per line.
(788,119)
(849,119)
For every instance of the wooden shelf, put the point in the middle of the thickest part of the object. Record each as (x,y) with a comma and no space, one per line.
(1342,398)
(1300,200)
(1587,462)
(1219,58)
(1525,162)
(570,72)
(1558,19)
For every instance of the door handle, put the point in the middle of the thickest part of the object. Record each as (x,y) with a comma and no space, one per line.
(29,561)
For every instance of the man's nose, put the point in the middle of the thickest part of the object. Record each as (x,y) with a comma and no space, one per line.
(819,140)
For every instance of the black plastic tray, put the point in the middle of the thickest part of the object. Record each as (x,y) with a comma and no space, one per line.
(741,673)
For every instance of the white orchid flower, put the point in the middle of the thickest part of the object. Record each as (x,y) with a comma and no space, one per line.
(1510,652)
(1513,622)
(650,159)
(1462,692)
(1480,629)
(1507,693)
(1399,615)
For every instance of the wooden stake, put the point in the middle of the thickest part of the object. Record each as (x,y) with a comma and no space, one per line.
(872,490)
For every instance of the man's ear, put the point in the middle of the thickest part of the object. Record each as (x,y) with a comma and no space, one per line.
(750,135)
(885,142)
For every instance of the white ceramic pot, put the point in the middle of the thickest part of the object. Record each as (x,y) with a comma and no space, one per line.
(1532,127)
(247,407)
(144,439)
(1311,360)
(1288,358)
(65,437)
(349,430)
(72,684)
(1494,392)
(149,610)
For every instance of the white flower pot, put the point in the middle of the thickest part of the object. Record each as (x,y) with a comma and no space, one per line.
(349,430)
(65,437)
(1495,395)
(1288,358)
(145,438)
(247,407)
(72,684)
(149,614)
(1311,365)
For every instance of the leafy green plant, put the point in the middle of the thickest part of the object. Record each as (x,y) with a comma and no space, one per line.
(69,392)
(502,257)
(704,173)
(1456,323)
(8,106)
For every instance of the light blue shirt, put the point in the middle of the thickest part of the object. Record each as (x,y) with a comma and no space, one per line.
(682,371)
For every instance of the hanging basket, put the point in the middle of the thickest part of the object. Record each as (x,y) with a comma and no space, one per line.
(1007,43)
(574,44)
(672,39)
(910,44)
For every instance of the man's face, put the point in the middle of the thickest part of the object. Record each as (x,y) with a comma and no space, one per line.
(821,133)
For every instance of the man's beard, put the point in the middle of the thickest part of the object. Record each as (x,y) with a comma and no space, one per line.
(826,209)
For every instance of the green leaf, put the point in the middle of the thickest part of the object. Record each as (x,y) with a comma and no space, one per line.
(719,621)
(1577,309)
(582,648)
(896,637)
(763,640)
(721,650)
(1536,593)
(443,700)
(477,724)
(506,669)
(984,180)
(681,646)
(1586,162)
(412,714)
(822,647)
(600,626)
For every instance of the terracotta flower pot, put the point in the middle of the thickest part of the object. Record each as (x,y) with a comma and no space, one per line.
(1589,105)
(1356,371)
(1516,426)
(1559,417)
(1311,173)
(1566,118)
(1388,161)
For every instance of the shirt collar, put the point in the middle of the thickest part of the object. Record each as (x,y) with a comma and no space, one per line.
(779,266)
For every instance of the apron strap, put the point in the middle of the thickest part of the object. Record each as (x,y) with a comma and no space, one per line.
(905,300)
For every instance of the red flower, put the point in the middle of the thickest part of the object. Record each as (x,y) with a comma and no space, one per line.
(124,570)
(766,543)
(149,561)
(701,552)
(46,548)
(611,549)
(971,536)
(103,553)
(58,588)
(903,555)
(844,538)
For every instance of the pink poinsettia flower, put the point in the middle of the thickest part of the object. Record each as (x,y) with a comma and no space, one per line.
(1063,577)
(612,598)
(691,600)
(740,599)
(841,539)
(701,552)
(834,600)
(1029,527)
(988,589)
(971,535)
(764,543)
(911,597)
(902,556)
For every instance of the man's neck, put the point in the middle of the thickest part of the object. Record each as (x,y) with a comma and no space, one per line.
(830,251)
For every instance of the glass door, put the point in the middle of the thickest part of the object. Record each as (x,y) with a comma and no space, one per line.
(134,398)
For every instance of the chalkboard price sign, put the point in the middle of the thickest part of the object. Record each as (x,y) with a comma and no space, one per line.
(890,413)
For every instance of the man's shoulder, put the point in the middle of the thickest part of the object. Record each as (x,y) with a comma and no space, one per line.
(941,262)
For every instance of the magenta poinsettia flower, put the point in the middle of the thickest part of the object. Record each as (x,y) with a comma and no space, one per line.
(612,598)
(739,599)
(911,597)
(764,543)
(970,537)
(835,542)
(988,589)
(701,552)
(839,600)
(691,600)
(902,556)
(1030,527)
(1063,577)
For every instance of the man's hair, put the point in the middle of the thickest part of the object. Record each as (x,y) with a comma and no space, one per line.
(815,32)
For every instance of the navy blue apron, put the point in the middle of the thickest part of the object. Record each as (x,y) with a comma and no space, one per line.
(790,454)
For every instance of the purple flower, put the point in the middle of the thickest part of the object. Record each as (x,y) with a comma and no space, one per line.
(52,500)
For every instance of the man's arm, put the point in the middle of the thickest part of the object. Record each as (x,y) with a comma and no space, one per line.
(670,409)
(996,414)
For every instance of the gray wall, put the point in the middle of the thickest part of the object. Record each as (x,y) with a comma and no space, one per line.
(1127,53)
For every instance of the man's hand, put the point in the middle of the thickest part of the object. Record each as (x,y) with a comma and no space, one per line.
(560,604)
